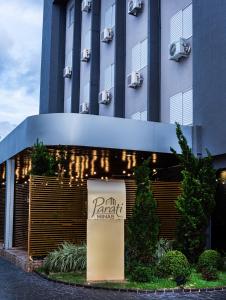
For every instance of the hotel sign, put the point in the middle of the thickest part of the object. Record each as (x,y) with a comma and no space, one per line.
(106,200)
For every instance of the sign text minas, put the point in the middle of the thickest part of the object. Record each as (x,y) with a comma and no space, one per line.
(106,208)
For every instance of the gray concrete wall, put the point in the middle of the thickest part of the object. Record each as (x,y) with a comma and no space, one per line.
(136,31)
(53,48)
(68,55)
(107,54)
(85,69)
(209,69)
(175,77)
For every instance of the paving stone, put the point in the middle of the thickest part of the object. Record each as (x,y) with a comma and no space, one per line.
(15,284)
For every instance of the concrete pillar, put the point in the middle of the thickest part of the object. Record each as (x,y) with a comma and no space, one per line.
(9,203)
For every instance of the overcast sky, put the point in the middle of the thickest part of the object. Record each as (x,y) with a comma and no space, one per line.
(20,59)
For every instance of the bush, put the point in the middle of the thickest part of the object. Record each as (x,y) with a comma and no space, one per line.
(143,226)
(209,259)
(196,203)
(67,258)
(162,247)
(43,163)
(142,274)
(209,273)
(175,264)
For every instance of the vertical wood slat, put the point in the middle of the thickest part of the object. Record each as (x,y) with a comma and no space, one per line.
(2,212)
(20,224)
(58,211)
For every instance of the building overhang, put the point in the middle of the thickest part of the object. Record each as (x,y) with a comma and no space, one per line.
(92,131)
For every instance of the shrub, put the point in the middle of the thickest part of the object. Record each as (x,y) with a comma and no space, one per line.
(209,259)
(197,200)
(67,258)
(43,163)
(209,273)
(162,247)
(175,264)
(143,226)
(142,274)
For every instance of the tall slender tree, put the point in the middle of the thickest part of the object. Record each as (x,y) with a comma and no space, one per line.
(143,226)
(197,200)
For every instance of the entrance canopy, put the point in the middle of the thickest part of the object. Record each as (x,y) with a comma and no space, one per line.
(91,131)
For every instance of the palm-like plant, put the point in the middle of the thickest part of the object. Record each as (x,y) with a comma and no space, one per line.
(67,258)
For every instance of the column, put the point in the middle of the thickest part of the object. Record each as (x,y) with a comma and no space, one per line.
(9,203)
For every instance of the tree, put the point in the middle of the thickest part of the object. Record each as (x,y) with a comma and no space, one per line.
(143,226)
(43,163)
(197,200)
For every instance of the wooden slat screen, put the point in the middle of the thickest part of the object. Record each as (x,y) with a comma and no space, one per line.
(20,224)
(165,193)
(2,212)
(58,212)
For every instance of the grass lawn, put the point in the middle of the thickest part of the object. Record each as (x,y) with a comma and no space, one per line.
(195,281)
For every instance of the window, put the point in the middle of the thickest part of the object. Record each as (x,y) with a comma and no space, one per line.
(144,115)
(110,17)
(188,107)
(109,75)
(68,61)
(139,55)
(181,24)
(87,41)
(140,116)
(67,105)
(86,92)
(181,108)
(176,108)
(71,12)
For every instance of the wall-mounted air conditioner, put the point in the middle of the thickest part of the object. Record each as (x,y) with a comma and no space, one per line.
(104,97)
(84,108)
(67,73)
(179,49)
(107,35)
(85,55)
(135,79)
(134,6)
(86,5)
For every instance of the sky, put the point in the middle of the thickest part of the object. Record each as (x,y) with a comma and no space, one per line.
(20,61)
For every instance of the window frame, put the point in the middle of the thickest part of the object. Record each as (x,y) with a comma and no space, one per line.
(183,108)
(111,69)
(71,17)
(141,66)
(182,23)
(110,10)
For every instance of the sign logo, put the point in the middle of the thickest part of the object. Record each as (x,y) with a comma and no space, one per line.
(106,200)
(107,208)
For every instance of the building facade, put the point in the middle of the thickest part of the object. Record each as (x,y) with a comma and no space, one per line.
(173,87)
(116,75)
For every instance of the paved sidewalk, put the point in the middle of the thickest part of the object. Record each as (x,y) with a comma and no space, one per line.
(18,285)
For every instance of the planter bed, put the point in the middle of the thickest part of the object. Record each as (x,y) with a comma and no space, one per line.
(195,284)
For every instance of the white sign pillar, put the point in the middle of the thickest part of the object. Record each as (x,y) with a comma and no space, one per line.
(105,230)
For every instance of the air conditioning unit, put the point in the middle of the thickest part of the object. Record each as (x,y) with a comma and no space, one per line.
(134,6)
(85,55)
(67,73)
(86,5)
(107,35)
(179,49)
(135,80)
(104,97)
(84,108)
